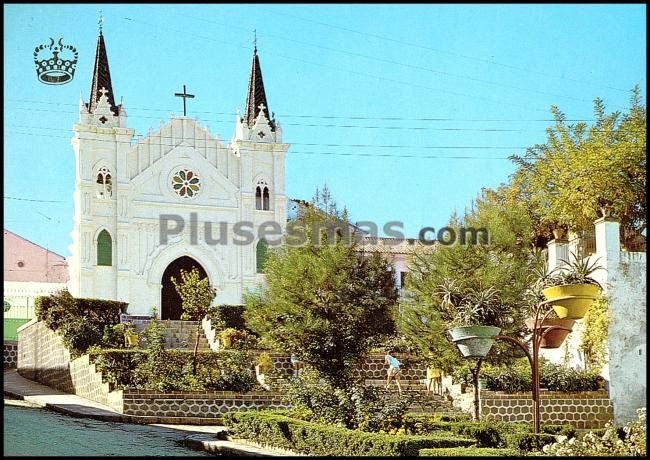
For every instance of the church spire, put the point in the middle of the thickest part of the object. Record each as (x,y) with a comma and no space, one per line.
(101,76)
(256,95)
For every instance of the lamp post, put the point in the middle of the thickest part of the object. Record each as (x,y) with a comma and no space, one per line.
(539,332)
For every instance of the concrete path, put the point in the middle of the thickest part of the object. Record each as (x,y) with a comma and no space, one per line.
(211,438)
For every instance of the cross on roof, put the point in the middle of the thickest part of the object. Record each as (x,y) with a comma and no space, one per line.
(184,95)
(103,91)
(261,107)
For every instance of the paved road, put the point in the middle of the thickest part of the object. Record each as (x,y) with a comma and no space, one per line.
(29,431)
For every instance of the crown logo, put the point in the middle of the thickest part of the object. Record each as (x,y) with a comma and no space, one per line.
(56,66)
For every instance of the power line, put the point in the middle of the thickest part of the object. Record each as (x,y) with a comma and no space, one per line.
(403,64)
(27,199)
(285,115)
(500,102)
(451,53)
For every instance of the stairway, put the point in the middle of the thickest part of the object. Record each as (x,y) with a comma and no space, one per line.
(180,335)
(426,403)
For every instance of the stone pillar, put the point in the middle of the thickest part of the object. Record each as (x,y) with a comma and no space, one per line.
(608,248)
(557,249)
(624,283)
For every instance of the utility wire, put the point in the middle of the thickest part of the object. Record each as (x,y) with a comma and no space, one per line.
(447,52)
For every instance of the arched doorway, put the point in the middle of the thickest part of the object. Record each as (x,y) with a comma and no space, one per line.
(170,302)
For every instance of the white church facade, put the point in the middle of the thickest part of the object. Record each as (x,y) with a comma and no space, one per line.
(141,208)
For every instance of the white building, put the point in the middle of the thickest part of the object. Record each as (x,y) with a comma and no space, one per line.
(128,193)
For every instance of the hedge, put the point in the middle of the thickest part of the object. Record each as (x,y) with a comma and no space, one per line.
(274,429)
(529,442)
(468,452)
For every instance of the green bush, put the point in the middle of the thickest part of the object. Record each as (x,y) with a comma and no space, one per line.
(79,334)
(225,316)
(272,429)
(628,440)
(554,377)
(468,452)
(529,442)
(168,370)
(358,406)
(81,322)
(564,430)
(487,434)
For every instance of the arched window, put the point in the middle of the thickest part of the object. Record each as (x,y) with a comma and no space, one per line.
(261,254)
(266,199)
(104,183)
(258,197)
(104,249)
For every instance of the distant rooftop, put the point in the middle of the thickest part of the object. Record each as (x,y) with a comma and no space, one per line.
(27,261)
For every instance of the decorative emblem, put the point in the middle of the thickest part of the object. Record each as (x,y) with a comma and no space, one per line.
(186,183)
(56,66)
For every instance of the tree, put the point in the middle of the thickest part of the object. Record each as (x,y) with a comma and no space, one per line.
(582,169)
(196,294)
(324,301)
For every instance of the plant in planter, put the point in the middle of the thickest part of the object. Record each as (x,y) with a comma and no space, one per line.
(573,290)
(475,316)
(263,368)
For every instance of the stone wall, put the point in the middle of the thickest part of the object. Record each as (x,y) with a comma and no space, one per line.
(204,404)
(10,353)
(589,409)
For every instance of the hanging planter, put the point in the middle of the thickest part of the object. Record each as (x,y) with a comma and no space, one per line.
(558,233)
(572,301)
(555,337)
(474,341)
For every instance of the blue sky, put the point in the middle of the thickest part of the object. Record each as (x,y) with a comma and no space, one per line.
(376,100)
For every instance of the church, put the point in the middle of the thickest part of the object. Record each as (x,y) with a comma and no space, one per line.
(123,188)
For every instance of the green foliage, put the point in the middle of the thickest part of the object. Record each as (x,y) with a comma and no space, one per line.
(324,301)
(197,295)
(355,407)
(529,442)
(225,316)
(169,370)
(554,377)
(237,339)
(629,440)
(81,322)
(468,452)
(275,429)
(594,336)
(471,275)
(581,169)
(563,430)
(576,270)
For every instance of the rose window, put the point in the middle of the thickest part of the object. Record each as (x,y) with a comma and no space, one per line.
(186,183)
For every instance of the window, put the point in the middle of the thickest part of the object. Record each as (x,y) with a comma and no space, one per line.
(261,254)
(266,199)
(258,197)
(104,183)
(104,249)
(262,196)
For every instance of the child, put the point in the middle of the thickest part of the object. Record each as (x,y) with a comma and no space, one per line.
(393,370)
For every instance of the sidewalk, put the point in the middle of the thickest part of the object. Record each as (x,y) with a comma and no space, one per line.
(211,438)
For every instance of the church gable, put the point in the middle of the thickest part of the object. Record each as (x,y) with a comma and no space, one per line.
(184,176)
(182,132)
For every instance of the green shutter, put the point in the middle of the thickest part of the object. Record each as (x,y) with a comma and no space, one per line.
(262,248)
(104,249)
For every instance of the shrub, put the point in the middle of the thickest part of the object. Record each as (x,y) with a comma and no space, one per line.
(554,377)
(170,370)
(529,442)
(468,452)
(225,316)
(358,406)
(81,322)
(564,430)
(487,434)
(273,429)
(629,440)
(78,334)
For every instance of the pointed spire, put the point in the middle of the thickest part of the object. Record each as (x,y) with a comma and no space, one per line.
(256,95)
(101,75)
